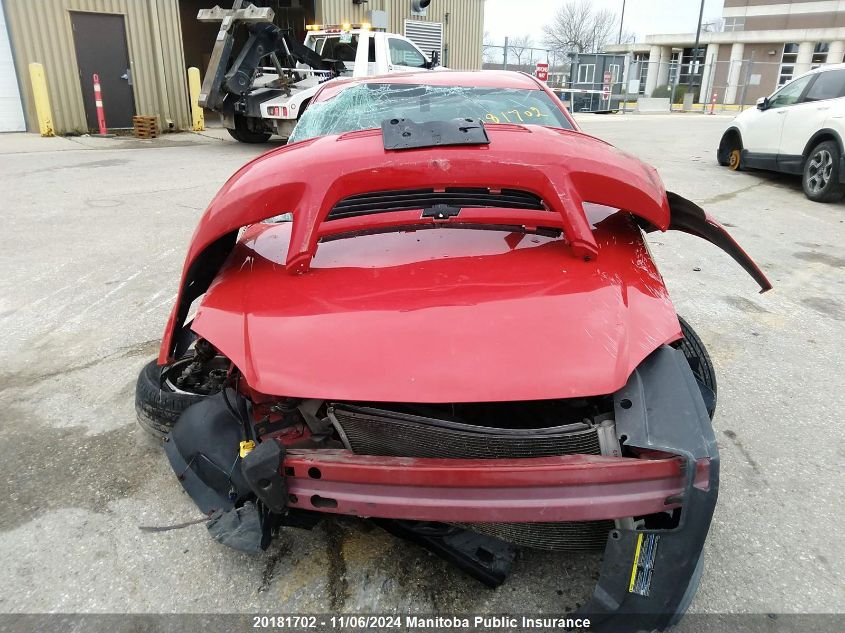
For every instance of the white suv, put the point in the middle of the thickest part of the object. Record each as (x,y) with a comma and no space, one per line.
(797,130)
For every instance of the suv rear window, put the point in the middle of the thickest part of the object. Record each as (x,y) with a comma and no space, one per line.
(829,84)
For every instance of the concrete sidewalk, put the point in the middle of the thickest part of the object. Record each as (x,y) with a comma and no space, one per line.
(28,143)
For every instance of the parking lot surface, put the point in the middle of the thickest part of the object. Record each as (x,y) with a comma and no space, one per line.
(94,233)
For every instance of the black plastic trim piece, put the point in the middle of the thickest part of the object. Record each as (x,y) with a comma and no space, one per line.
(485,558)
(688,217)
(791,163)
(412,199)
(262,469)
(754,160)
(663,411)
(399,134)
(821,135)
(203,451)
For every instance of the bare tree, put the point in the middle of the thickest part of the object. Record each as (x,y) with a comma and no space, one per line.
(713,25)
(490,52)
(577,27)
(519,46)
(628,37)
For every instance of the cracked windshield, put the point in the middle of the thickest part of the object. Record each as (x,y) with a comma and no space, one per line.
(365,106)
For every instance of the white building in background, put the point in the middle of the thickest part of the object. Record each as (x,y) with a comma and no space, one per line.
(763,44)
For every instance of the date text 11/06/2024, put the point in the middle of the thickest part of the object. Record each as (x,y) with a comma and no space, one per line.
(410,622)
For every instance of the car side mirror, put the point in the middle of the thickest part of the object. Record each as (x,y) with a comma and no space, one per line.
(435,59)
(762,103)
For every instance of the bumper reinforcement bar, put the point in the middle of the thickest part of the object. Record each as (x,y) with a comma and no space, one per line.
(542,489)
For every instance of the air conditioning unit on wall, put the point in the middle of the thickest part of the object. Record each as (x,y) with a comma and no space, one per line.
(420,7)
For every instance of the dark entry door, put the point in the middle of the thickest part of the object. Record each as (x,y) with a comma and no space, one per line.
(100,40)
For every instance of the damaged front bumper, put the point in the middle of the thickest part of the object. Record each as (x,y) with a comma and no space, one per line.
(648,576)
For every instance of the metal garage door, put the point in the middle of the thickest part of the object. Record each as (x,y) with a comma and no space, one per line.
(11,112)
(427,35)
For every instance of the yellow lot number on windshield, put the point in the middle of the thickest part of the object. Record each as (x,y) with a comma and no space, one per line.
(515,116)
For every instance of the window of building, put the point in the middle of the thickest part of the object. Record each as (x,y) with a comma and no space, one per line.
(787,62)
(692,63)
(641,66)
(789,95)
(675,67)
(586,73)
(820,54)
(828,85)
(735,24)
(615,73)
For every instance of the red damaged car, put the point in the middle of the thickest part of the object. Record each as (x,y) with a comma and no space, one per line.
(435,308)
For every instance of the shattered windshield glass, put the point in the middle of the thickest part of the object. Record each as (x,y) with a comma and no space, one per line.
(365,106)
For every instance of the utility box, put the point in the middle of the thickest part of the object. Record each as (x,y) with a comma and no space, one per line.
(378,19)
(688,98)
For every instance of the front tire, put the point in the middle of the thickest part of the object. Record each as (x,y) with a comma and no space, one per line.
(729,153)
(159,401)
(699,361)
(821,173)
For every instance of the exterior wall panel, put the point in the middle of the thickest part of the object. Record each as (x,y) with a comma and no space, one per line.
(463,24)
(41,32)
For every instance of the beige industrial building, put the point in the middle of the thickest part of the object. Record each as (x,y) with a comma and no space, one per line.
(140,49)
(759,45)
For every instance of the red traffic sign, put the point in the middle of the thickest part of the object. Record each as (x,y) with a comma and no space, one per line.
(542,71)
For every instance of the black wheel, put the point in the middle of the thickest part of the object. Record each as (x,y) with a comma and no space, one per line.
(244,134)
(821,173)
(730,151)
(163,393)
(699,361)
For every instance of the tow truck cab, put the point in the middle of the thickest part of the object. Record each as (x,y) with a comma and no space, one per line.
(363,51)
(386,52)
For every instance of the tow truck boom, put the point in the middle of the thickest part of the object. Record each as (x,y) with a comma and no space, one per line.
(265,39)
(269,84)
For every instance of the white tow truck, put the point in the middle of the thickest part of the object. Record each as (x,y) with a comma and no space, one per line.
(256,100)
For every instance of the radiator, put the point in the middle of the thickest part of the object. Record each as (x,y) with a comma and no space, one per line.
(369,431)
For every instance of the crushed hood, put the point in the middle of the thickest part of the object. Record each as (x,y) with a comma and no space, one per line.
(443,315)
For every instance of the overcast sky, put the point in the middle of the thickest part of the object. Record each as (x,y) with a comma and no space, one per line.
(520,17)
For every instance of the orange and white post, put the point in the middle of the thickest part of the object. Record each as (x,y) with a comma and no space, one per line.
(98,103)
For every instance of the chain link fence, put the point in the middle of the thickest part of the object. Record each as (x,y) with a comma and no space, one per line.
(718,86)
(583,83)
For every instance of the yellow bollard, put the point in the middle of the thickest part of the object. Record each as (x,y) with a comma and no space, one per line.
(194,87)
(42,99)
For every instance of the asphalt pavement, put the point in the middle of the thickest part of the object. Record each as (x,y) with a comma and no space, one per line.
(93,239)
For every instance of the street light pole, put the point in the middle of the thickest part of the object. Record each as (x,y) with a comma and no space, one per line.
(694,55)
(621,20)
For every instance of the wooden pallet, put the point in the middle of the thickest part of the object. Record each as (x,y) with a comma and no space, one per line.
(145,127)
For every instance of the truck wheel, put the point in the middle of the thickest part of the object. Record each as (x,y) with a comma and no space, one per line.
(243,134)
(159,402)
(821,173)
(699,360)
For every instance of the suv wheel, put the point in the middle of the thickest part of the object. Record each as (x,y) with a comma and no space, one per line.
(730,151)
(821,173)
